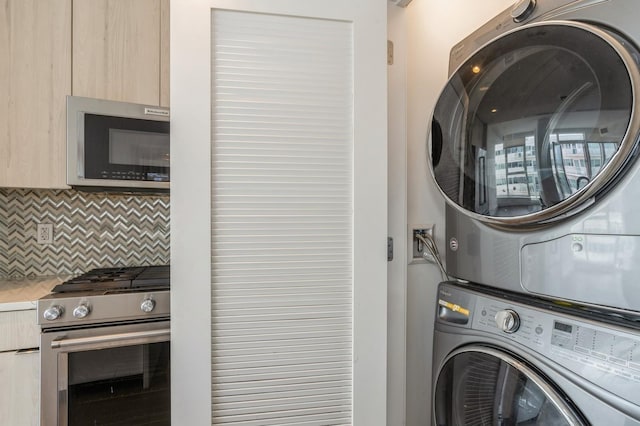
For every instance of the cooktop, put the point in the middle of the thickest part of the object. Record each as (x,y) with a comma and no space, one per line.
(120,278)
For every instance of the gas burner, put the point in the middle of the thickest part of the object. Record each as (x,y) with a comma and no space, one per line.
(107,274)
(117,279)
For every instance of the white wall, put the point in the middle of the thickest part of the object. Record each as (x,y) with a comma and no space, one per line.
(433,27)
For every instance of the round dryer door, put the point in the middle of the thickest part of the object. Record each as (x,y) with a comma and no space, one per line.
(537,123)
(485,387)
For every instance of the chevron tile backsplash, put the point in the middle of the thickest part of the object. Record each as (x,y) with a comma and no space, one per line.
(90,230)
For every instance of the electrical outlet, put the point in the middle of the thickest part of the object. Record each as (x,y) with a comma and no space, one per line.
(418,252)
(44,233)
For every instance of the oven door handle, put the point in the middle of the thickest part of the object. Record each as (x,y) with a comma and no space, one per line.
(133,338)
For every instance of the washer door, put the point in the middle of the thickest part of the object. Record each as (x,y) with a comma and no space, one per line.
(483,386)
(537,123)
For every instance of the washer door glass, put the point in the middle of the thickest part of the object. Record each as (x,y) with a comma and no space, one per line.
(536,123)
(483,386)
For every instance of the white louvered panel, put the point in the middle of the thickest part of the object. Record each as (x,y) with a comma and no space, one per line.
(282,144)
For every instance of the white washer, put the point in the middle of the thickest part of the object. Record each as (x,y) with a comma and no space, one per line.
(535,143)
(512,359)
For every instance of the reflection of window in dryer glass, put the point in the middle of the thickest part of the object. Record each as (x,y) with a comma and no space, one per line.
(577,160)
(516,167)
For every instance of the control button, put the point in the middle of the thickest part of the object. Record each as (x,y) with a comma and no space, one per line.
(508,321)
(581,350)
(539,330)
(625,374)
(53,313)
(522,10)
(619,361)
(484,312)
(81,311)
(577,247)
(147,305)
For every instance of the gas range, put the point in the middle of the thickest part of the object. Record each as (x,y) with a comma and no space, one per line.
(107,295)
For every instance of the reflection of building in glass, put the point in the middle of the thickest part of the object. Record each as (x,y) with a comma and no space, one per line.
(516,168)
(576,160)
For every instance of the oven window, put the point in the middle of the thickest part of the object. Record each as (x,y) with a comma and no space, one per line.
(126,385)
(530,120)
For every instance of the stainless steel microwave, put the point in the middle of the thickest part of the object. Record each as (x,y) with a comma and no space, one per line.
(117,145)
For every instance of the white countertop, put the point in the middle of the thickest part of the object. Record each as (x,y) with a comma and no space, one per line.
(22,294)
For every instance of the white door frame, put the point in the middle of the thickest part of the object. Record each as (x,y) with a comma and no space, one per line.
(191,199)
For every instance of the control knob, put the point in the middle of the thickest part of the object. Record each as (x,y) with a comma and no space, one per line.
(53,313)
(522,10)
(147,305)
(81,311)
(508,321)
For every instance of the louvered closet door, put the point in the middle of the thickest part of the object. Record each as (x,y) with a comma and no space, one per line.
(282,219)
(295,211)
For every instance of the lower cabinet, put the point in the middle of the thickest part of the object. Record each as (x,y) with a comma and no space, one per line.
(19,368)
(20,390)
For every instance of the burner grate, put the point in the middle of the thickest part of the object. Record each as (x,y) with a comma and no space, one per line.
(123,278)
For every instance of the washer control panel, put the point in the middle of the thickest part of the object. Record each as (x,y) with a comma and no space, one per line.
(606,355)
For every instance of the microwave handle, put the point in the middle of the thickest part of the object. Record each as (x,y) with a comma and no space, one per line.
(138,337)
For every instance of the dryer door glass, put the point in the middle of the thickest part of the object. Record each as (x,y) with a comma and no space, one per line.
(536,123)
(487,387)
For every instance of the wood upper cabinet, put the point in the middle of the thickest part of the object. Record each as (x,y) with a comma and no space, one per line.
(111,49)
(35,77)
(120,50)
(164,53)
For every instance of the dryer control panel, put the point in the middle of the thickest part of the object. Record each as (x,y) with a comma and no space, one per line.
(604,354)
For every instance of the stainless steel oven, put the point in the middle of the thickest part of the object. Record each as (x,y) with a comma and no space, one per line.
(105,350)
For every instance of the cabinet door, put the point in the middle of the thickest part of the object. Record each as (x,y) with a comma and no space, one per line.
(164,53)
(19,330)
(20,394)
(35,77)
(116,50)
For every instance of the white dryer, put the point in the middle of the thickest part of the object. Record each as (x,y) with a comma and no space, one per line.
(513,359)
(535,143)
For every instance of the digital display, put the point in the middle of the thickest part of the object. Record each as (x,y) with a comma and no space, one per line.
(562,327)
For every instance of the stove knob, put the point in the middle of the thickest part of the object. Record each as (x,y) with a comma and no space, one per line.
(508,321)
(81,311)
(53,313)
(147,305)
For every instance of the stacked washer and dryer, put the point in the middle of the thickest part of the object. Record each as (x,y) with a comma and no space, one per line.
(534,145)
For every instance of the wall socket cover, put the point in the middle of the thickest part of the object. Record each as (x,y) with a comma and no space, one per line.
(44,233)
(414,254)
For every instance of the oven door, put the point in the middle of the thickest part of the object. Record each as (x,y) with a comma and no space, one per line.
(116,375)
